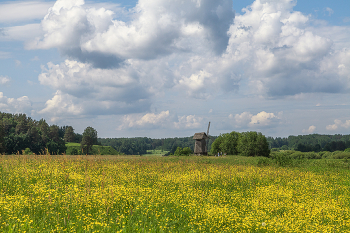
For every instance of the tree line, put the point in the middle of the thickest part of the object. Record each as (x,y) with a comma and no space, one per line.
(140,145)
(19,133)
(312,142)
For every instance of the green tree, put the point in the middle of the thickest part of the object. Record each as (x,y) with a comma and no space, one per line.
(89,139)
(230,143)
(253,144)
(2,139)
(226,143)
(69,135)
(216,146)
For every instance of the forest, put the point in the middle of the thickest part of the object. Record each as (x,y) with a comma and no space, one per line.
(19,133)
(311,142)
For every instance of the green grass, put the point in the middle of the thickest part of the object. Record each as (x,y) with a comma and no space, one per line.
(103,193)
(155,153)
(74,148)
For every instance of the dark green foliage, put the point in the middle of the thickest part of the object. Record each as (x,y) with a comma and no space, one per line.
(312,142)
(56,148)
(253,144)
(140,145)
(69,135)
(246,144)
(89,139)
(226,143)
(183,152)
(19,133)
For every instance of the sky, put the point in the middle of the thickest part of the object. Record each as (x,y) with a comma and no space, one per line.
(165,68)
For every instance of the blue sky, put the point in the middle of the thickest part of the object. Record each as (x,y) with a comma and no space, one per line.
(161,68)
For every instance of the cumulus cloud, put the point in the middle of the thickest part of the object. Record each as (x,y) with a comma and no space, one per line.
(158,28)
(94,91)
(19,105)
(195,47)
(147,120)
(161,120)
(188,122)
(262,119)
(310,130)
(4,80)
(337,124)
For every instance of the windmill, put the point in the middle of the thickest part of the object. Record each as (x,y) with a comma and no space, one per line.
(200,146)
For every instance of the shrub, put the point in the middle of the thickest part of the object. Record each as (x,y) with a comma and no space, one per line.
(183,152)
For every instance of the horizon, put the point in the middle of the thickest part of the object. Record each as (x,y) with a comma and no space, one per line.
(164,69)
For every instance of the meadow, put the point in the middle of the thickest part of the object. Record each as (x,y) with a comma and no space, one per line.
(172,194)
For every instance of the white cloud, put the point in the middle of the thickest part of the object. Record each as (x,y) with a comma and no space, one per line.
(329,10)
(310,130)
(21,33)
(21,11)
(158,28)
(262,119)
(161,120)
(337,124)
(83,81)
(188,122)
(148,119)
(4,80)
(121,63)
(19,105)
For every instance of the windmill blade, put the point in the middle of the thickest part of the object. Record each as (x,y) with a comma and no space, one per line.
(208,129)
(207,144)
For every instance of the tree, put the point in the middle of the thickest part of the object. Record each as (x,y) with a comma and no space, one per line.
(253,144)
(226,143)
(89,139)
(2,140)
(69,135)
(230,142)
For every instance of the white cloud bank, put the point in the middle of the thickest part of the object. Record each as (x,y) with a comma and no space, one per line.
(118,66)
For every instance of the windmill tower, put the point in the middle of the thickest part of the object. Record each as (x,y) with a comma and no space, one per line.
(200,146)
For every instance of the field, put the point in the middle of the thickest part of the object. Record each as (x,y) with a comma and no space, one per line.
(172,194)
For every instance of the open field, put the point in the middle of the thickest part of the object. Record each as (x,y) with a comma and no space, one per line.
(172,194)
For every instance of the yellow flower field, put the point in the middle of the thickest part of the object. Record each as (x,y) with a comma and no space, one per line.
(116,194)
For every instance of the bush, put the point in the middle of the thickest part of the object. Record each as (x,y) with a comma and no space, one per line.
(262,161)
(183,152)
(27,151)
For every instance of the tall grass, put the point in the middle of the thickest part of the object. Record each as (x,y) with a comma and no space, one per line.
(159,194)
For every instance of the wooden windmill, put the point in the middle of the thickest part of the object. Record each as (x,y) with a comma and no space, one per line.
(202,139)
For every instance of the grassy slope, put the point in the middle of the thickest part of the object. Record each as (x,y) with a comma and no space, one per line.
(155,153)
(96,149)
